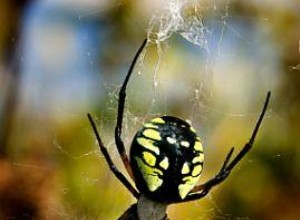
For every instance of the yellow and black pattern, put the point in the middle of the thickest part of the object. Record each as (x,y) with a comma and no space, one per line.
(167,159)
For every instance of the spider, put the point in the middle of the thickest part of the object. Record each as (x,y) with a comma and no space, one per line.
(166,155)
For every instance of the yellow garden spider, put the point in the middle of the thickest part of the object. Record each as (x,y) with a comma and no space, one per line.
(166,159)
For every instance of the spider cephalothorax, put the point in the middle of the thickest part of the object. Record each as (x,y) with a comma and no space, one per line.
(166,156)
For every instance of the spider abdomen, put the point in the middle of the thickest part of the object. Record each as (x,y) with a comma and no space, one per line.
(167,159)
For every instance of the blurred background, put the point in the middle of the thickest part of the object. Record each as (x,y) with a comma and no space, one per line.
(211,62)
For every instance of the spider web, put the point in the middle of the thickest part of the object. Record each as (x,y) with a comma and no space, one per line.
(179,22)
(174,76)
(200,26)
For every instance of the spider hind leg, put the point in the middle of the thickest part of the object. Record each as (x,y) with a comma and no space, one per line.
(202,190)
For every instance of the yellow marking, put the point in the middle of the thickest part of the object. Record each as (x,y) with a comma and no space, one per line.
(185,143)
(158,121)
(185,169)
(149,158)
(171,140)
(188,121)
(191,179)
(198,139)
(198,146)
(153,134)
(199,158)
(197,170)
(192,129)
(148,144)
(150,175)
(164,163)
(186,187)
(150,125)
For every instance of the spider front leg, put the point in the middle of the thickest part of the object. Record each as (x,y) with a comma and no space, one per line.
(118,133)
(110,163)
(121,105)
(202,190)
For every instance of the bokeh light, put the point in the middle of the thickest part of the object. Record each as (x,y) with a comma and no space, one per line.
(211,62)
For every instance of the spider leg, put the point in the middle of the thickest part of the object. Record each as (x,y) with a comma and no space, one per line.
(121,104)
(110,163)
(202,190)
(227,159)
